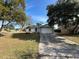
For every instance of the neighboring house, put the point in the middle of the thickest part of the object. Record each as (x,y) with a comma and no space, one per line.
(31,29)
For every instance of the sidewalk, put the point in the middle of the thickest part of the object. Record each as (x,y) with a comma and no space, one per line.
(53,47)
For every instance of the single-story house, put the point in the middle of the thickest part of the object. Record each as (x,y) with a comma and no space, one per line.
(31,29)
(39,29)
(46,29)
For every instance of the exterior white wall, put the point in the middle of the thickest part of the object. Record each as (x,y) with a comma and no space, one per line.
(32,30)
(40,30)
(46,30)
(27,30)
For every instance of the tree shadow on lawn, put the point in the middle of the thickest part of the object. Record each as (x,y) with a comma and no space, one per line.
(67,50)
(64,46)
(60,47)
(51,38)
(26,36)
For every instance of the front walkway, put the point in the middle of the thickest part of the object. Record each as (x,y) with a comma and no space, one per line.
(53,47)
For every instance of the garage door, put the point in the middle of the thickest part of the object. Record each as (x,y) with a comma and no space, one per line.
(46,30)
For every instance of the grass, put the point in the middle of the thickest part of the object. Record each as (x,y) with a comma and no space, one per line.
(74,38)
(19,46)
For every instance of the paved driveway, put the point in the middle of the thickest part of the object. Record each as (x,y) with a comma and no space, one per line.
(54,47)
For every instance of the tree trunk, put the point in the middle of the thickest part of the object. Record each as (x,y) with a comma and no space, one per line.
(2,25)
(74,30)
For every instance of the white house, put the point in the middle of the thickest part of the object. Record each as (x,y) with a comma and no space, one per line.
(45,29)
(41,29)
(31,29)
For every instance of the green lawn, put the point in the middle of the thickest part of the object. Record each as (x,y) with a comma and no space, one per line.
(19,46)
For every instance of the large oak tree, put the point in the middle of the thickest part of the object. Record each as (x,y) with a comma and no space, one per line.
(65,14)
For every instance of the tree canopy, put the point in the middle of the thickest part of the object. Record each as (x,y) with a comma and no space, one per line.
(12,10)
(65,14)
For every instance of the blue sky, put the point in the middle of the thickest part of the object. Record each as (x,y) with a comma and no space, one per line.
(36,9)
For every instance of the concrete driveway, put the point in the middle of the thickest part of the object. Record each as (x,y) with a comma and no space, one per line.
(54,47)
